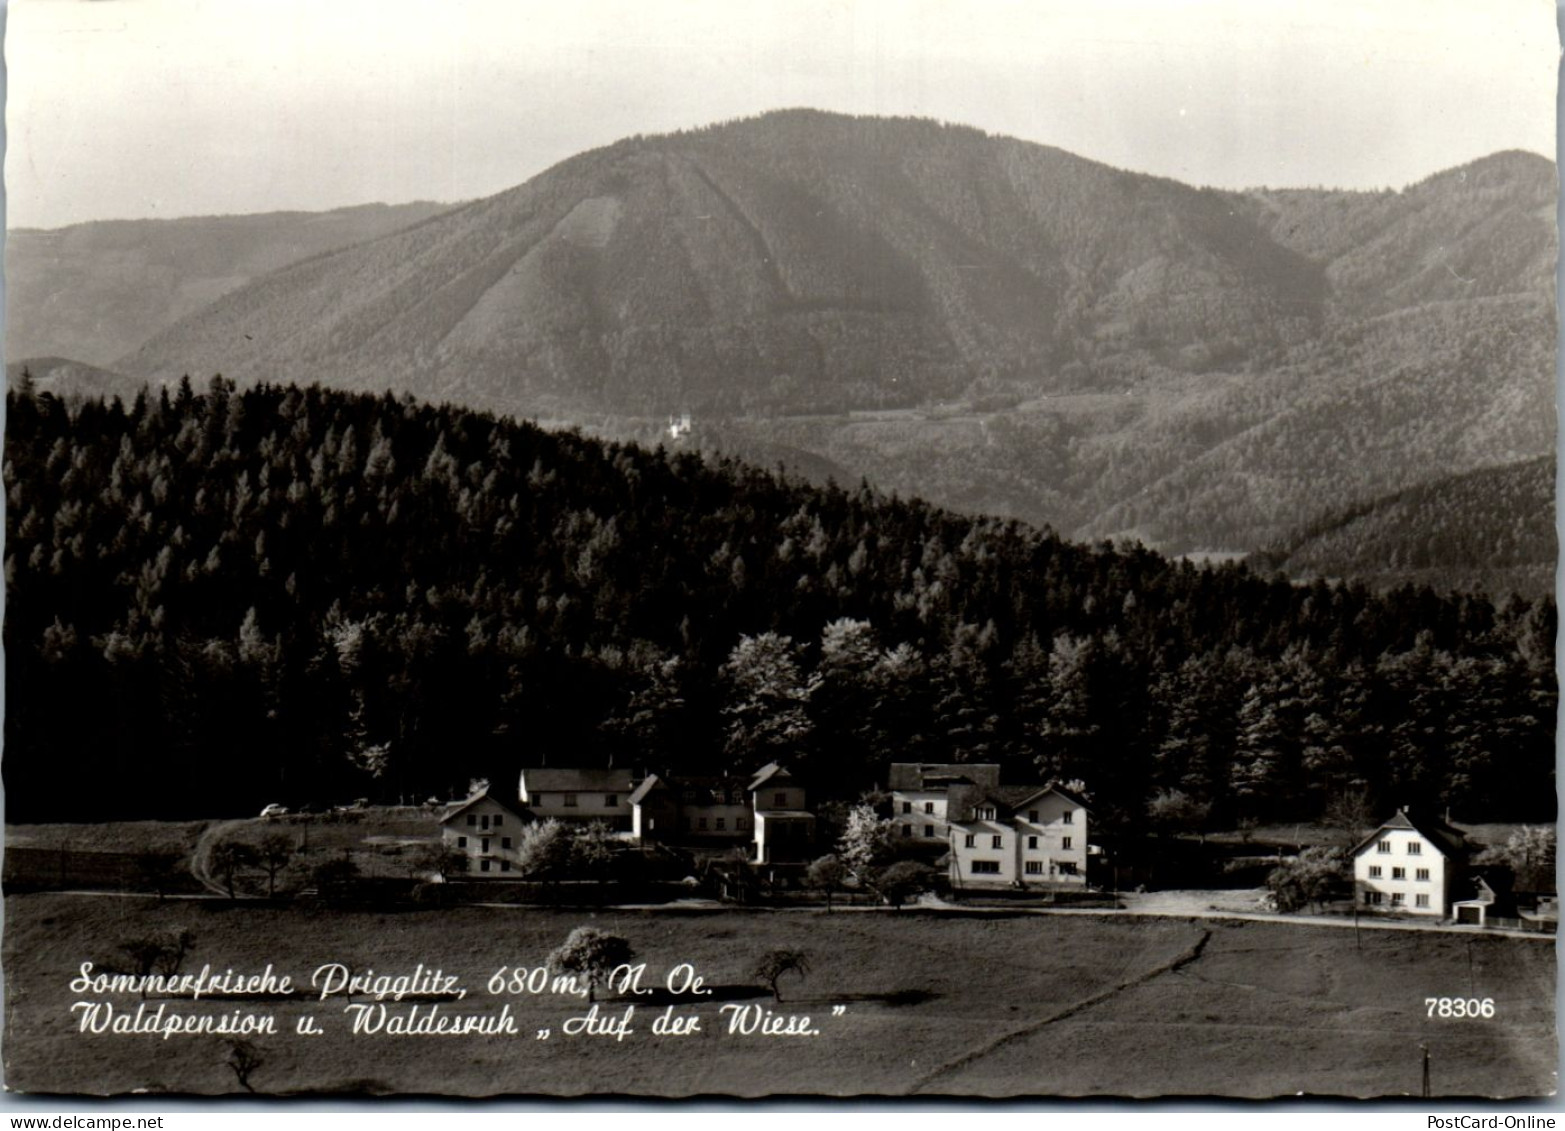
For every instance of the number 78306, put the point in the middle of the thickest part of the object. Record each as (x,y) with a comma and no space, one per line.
(1460,1006)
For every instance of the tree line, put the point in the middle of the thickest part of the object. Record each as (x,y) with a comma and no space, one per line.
(228,598)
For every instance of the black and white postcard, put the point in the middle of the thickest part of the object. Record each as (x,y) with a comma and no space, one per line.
(959,548)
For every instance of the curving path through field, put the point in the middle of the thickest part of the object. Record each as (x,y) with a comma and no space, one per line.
(201,854)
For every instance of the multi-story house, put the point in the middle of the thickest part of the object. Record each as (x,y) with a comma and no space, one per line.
(920,793)
(784,828)
(1016,835)
(702,810)
(578,795)
(1410,864)
(484,832)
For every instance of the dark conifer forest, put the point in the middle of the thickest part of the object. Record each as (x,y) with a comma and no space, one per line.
(219,600)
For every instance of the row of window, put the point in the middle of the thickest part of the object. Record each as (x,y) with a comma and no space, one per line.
(473,820)
(987,813)
(1414,847)
(720,824)
(610,800)
(1031,868)
(505,842)
(929,830)
(1398,873)
(907,807)
(971,840)
(1374,899)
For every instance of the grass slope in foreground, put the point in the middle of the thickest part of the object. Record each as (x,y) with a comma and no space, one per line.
(936,1004)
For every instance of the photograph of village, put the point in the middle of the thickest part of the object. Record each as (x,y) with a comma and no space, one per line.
(797,549)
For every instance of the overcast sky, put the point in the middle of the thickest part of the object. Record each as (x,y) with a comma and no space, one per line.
(131,108)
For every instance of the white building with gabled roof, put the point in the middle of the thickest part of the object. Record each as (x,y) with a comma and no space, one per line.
(1410,864)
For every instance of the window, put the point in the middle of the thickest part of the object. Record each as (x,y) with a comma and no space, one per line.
(1415,848)
(1399,873)
(986,867)
(970,841)
(484,847)
(742,823)
(472,820)
(1032,842)
(701,824)
(1032,815)
(929,806)
(498,820)
(997,841)
(610,800)
(1421,874)
(1396,899)
(483,821)
(1374,871)
(570,800)
(907,830)
(1383,846)
(1066,819)
(1066,867)
(1370,896)
(1065,842)
(505,865)
(907,807)
(929,830)
(1421,900)
(1035,867)
(780,799)
(461,842)
(483,865)
(505,842)
(986,813)
(722,823)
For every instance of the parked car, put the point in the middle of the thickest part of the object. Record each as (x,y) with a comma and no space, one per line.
(275,810)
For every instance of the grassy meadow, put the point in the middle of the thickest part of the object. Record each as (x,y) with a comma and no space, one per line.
(984,1004)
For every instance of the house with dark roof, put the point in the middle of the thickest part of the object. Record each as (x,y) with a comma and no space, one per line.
(784,827)
(1016,836)
(691,810)
(484,832)
(920,793)
(1411,864)
(578,795)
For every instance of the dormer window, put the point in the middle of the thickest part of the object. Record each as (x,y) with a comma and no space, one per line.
(780,799)
(570,800)
(986,812)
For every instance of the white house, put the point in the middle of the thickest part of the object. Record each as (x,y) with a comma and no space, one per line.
(1017,835)
(784,828)
(1409,864)
(920,794)
(578,795)
(484,831)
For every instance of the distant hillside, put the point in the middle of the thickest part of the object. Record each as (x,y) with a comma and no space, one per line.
(97,291)
(66,378)
(1456,533)
(987,323)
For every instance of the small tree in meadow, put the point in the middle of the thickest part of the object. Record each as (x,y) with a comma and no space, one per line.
(272,855)
(772,965)
(592,955)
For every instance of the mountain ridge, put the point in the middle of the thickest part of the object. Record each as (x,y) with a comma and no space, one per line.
(982,321)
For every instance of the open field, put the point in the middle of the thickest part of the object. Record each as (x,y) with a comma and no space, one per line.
(935,1004)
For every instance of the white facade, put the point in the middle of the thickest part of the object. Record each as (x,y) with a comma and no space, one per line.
(485,834)
(578,795)
(1403,870)
(1041,839)
(920,814)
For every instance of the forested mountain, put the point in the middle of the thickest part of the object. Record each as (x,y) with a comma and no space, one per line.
(988,323)
(1494,523)
(249,595)
(97,291)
